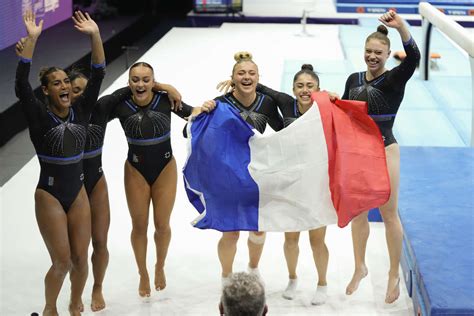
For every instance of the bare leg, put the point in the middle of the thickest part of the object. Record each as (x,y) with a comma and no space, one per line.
(52,223)
(393,226)
(321,259)
(138,198)
(292,252)
(255,244)
(320,253)
(100,211)
(360,235)
(226,249)
(163,193)
(79,226)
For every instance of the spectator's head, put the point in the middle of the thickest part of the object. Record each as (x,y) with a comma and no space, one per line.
(243,295)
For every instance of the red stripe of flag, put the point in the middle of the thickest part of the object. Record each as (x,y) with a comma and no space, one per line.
(358,175)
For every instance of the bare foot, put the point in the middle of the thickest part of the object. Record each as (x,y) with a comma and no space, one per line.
(160,279)
(50,311)
(393,289)
(359,274)
(75,309)
(144,286)
(97,302)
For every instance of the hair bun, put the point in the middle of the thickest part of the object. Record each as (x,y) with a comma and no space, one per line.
(382,29)
(242,56)
(43,71)
(307,67)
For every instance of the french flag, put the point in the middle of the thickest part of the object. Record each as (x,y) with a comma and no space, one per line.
(326,167)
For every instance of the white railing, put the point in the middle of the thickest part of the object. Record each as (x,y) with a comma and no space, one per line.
(433,17)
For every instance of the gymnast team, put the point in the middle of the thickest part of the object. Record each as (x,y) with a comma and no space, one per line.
(67,128)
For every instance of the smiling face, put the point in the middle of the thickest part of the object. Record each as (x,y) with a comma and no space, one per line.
(375,55)
(304,85)
(245,77)
(141,81)
(78,86)
(58,89)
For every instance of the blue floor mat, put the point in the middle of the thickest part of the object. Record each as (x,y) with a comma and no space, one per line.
(437,211)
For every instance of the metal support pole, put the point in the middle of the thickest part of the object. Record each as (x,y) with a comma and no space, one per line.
(127,50)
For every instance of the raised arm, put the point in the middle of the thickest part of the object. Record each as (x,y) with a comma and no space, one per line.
(84,24)
(393,20)
(406,69)
(34,31)
(25,48)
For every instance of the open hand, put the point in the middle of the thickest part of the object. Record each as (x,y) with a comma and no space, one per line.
(84,23)
(32,29)
(225,86)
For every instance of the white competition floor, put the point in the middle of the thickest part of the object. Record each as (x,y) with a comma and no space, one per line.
(194,60)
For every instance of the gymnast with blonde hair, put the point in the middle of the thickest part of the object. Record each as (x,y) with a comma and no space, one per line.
(258,110)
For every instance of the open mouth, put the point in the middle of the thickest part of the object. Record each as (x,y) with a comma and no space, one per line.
(64,97)
(140,92)
(247,83)
(372,62)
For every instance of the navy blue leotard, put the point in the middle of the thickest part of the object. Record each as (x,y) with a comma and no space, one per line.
(147,129)
(287,104)
(384,94)
(261,112)
(92,161)
(59,143)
